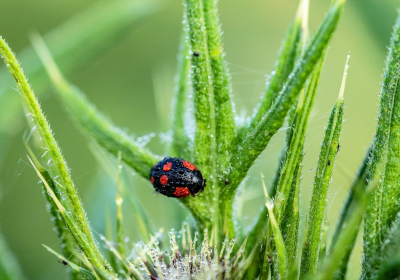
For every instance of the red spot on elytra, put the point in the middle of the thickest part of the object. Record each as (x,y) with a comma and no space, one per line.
(181,192)
(167,166)
(163,180)
(152,180)
(189,165)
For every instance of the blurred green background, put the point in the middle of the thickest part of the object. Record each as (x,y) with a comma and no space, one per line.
(132,82)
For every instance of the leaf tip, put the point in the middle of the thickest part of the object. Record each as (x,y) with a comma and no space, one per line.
(342,87)
(302,13)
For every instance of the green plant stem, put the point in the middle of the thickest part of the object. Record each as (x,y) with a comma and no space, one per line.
(205,145)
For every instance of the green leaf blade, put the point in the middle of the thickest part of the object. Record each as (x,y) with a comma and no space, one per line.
(53,149)
(204,148)
(345,239)
(256,141)
(323,176)
(284,65)
(108,136)
(224,117)
(384,160)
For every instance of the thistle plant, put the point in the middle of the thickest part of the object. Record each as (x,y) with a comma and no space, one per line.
(277,245)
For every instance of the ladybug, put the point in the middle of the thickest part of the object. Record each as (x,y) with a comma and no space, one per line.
(176,177)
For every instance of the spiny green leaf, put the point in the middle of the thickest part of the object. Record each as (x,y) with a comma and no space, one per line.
(282,268)
(384,161)
(283,67)
(290,227)
(224,118)
(74,43)
(296,142)
(85,273)
(68,245)
(202,86)
(80,238)
(111,138)
(323,175)
(389,252)
(256,141)
(295,40)
(345,238)
(52,147)
(356,188)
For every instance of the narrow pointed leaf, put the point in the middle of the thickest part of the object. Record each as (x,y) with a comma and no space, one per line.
(53,149)
(332,263)
(256,140)
(111,138)
(279,243)
(323,175)
(296,38)
(283,67)
(296,142)
(68,245)
(290,227)
(385,158)
(85,273)
(224,118)
(84,244)
(357,187)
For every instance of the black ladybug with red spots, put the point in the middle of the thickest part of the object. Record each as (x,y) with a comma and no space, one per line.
(175,177)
